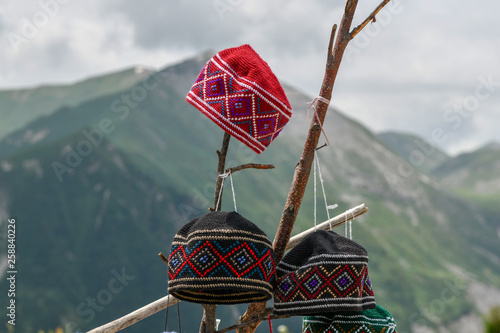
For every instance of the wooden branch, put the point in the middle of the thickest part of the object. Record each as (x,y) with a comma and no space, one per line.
(249,166)
(220,170)
(371,17)
(335,222)
(162,257)
(303,169)
(137,315)
(208,320)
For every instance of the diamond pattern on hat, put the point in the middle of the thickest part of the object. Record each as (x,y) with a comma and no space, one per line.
(314,283)
(202,261)
(286,287)
(266,126)
(324,273)
(215,87)
(242,259)
(221,258)
(268,266)
(176,259)
(238,91)
(240,107)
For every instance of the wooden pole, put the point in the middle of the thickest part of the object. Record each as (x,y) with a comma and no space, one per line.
(137,315)
(332,223)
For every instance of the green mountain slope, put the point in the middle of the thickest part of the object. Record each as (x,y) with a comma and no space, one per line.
(20,107)
(417,151)
(73,235)
(474,175)
(155,158)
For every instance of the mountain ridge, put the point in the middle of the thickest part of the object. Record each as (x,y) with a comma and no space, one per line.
(164,148)
(21,106)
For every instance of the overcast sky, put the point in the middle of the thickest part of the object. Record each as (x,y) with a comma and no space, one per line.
(424,67)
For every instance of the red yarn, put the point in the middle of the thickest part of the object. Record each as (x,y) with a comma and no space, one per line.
(238,91)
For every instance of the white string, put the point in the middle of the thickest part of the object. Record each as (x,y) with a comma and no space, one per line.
(313,105)
(327,207)
(350,229)
(349,222)
(345,224)
(232,188)
(223,176)
(350,225)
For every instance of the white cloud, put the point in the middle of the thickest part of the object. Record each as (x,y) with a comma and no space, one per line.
(401,73)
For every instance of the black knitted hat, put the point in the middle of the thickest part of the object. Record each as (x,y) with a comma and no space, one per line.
(221,258)
(324,273)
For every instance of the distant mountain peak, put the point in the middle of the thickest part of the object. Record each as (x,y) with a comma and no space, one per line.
(410,146)
(492,145)
(143,69)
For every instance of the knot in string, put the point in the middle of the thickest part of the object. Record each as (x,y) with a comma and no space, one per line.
(224,176)
(313,105)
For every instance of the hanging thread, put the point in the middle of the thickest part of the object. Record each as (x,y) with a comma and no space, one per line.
(348,222)
(350,225)
(178,319)
(345,224)
(327,207)
(350,229)
(232,189)
(313,105)
(224,176)
(166,318)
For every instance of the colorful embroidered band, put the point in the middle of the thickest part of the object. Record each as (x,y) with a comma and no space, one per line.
(221,258)
(324,273)
(377,320)
(240,93)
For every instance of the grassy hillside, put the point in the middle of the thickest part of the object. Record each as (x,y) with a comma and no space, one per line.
(419,152)
(20,107)
(113,179)
(474,176)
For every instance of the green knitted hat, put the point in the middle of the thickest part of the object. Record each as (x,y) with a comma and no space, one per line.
(377,320)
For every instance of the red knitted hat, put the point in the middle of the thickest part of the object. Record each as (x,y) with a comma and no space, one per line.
(240,93)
